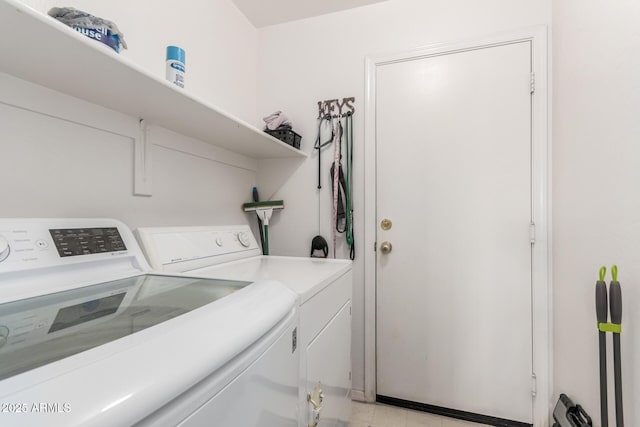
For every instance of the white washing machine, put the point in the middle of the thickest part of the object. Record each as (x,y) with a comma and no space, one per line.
(90,336)
(324,288)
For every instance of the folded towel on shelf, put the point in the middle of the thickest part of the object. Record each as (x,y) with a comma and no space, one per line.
(277,120)
(91,26)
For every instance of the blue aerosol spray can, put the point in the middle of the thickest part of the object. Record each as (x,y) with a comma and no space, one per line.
(175,65)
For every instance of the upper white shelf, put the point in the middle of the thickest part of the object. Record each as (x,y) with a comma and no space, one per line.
(37,48)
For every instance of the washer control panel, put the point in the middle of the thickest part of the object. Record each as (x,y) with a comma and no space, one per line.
(35,243)
(85,241)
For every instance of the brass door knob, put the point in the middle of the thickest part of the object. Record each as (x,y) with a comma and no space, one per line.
(386,247)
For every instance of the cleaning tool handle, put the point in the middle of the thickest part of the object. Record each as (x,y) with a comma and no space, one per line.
(615,301)
(265,250)
(604,398)
(615,298)
(601,302)
(602,309)
(617,377)
(601,298)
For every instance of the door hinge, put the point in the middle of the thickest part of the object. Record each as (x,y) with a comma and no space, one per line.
(532,233)
(375,246)
(534,385)
(533,82)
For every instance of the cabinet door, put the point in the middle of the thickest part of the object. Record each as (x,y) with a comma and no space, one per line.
(329,368)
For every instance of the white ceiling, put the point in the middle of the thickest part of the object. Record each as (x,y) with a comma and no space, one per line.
(262,13)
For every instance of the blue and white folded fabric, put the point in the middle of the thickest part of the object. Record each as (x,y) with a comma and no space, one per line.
(91,26)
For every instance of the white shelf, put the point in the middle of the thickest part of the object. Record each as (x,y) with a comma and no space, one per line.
(39,49)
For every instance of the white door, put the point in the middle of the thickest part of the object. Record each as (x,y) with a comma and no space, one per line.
(453,149)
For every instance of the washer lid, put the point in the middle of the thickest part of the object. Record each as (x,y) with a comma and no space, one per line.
(123,381)
(44,329)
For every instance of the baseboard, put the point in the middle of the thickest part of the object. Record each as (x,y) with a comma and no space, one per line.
(452,413)
(358,395)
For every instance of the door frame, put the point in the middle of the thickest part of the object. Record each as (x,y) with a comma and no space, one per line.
(541,207)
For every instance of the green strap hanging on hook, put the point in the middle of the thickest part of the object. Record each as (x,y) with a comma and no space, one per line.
(603,272)
(614,273)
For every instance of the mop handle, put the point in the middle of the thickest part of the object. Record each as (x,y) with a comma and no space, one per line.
(615,300)
(601,315)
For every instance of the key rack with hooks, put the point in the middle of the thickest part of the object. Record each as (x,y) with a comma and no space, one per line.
(336,108)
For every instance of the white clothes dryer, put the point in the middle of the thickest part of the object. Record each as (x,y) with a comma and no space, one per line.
(324,289)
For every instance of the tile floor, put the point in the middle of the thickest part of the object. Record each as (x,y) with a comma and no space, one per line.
(378,415)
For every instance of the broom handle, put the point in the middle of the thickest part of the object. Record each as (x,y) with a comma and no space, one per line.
(266,239)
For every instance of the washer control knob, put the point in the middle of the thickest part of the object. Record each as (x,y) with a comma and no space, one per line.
(5,249)
(219,241)
(4,334)
(243,238)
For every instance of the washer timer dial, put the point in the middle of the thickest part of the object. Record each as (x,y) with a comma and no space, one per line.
(5,249)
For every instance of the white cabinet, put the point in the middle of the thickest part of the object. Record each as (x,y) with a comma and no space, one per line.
(325,335)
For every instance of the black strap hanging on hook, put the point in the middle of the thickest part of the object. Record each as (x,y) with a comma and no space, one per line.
(341,217)
(319,145)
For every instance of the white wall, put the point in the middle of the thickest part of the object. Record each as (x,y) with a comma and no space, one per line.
(219,41)
(596,177)
(321,58)
(65,157)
